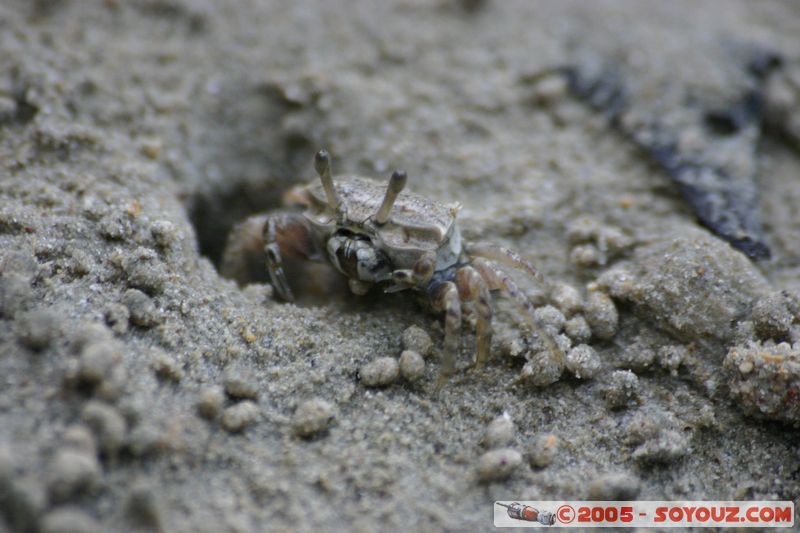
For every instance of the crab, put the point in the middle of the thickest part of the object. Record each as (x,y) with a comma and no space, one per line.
(376,234)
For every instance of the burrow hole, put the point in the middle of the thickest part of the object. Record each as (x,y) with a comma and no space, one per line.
(253,169)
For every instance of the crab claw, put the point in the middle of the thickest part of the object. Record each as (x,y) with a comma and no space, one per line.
(277,274)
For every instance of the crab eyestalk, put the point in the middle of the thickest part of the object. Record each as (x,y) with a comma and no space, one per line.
(396,184)
(322,165)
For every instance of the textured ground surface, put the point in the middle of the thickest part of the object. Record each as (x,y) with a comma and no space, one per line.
(139,389)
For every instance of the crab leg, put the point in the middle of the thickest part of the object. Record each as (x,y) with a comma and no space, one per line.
(473,288)
(267,238)
(505,256)
(286,235)
(276,273)
(498,279)
(445,298)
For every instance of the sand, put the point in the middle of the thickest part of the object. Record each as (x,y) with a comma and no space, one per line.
(141,390)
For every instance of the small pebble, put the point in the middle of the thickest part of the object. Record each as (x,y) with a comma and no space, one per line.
(563,342)
(151,148)
(578,329)
(614,487)
(412,365)
(601,314)
(586,256)
(113,387)
(666,447)
(115,226)
(71,473)
(772,318)
(417,340)
(551,318)
(38,328)
(542,368)
(143,508)
(764,379)
(610,241)
(745,367)
(149,276)
(637,356)
(21,262)
(166,367)
(550,90)
(15,294)
(499,432)
(146,438)
(23,502)
(8,109)
(96,362)
(544,450)
(312,417)
(165,234)
(380,372)
(142,310)
(583,362)
(583,229)
(238,385)
(622,389)
(672,357)
(80,263)
(648,423)
(117,317)
(79,437)
(89,333)
(613,240)
(210,402)
(248,336)
(513,345)
(499,464)
(567,299)
(703,418)
(107,424)
(240,416)
(69,520)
